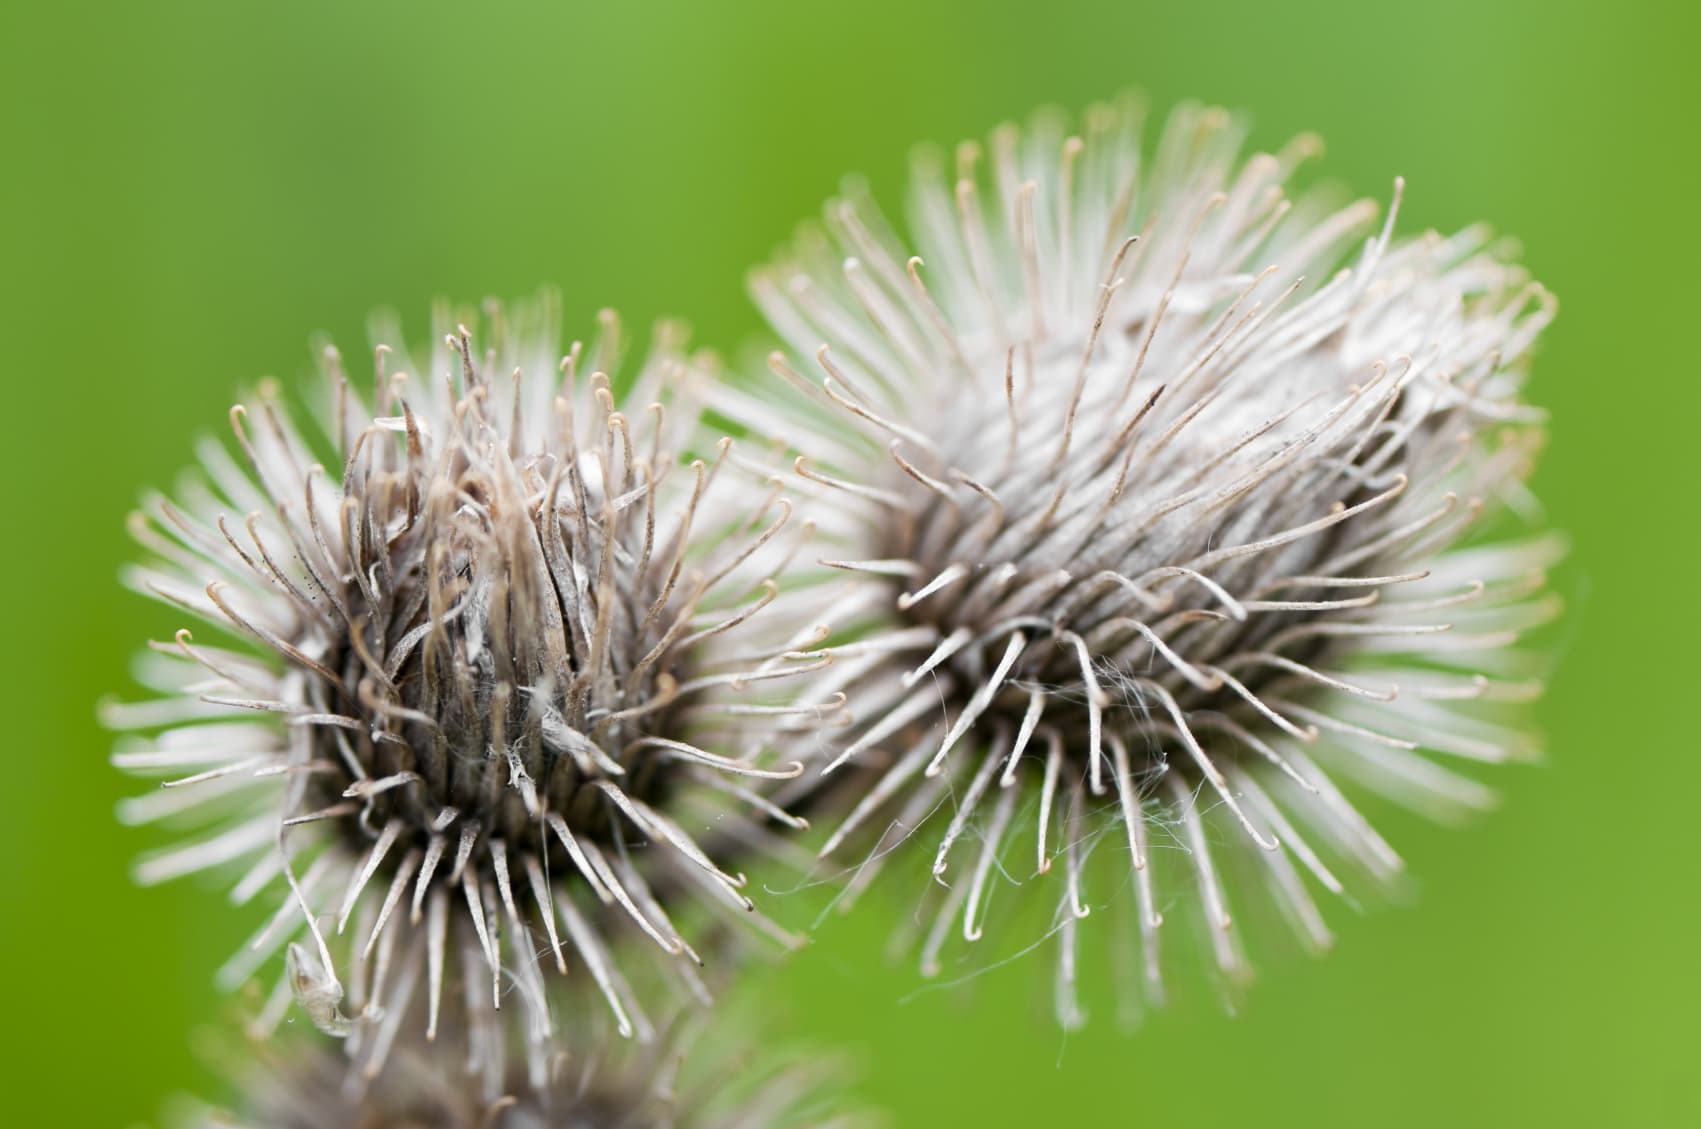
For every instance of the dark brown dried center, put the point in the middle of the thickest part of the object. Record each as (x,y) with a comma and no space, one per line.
(1006,592)
(483,699)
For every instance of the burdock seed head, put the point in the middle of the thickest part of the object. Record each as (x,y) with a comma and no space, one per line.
(500,682)
(1155,477)
(696,1075)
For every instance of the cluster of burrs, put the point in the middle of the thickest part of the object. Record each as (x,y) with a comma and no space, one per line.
(1125,510)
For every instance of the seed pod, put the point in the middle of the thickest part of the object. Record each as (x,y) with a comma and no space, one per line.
(1151,483)
(696,1075)
(487,683)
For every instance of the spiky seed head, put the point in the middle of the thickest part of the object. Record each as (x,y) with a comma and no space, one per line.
(696,1075)
(488,678)
(1155,476)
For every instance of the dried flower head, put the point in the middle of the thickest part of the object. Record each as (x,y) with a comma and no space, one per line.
(696,1076)
(494,677)
(1156,493)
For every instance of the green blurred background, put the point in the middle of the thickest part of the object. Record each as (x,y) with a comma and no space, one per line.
(191,191)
